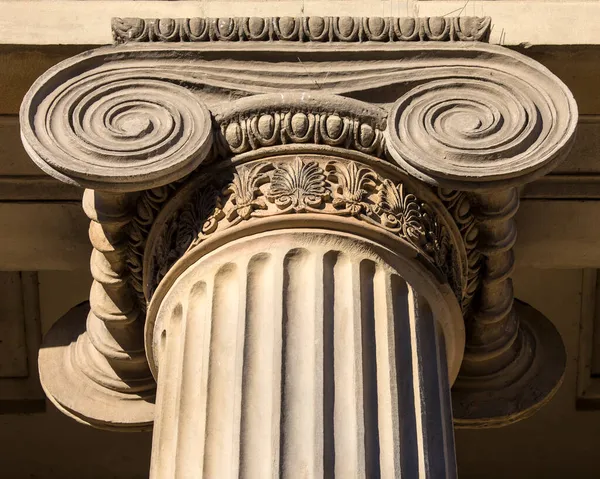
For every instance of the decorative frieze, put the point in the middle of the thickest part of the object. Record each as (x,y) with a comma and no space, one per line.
(301,29)
(300,184)
(297,126)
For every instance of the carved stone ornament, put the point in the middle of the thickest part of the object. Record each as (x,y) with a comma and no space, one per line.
(124,132)
(492,117)
(223,198)
(351,182)
(302,29)
(483,128)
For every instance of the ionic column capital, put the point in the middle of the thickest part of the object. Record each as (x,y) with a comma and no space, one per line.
(376,127)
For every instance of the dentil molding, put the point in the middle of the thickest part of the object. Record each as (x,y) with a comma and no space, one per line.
(194,133)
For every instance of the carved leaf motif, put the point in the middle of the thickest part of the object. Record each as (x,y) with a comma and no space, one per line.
(244,190)
(298,186)
(459,206)
(199,217)
(148,206)
(416,222)
(435,242)
(399,209)
(165,254)
(353,184)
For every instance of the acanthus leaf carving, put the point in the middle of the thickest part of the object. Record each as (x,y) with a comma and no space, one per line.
(399,209)
(435,243)
(459,206)
(352,184)
(198,218)
(166,251)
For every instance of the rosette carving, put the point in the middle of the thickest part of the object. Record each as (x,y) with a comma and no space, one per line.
(110,132)
(459,132)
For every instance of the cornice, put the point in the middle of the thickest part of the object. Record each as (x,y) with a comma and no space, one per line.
(301,29)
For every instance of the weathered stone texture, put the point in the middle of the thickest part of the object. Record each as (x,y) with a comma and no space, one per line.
(337,179)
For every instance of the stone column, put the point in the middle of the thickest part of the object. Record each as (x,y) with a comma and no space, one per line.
(300,265)
(304,352)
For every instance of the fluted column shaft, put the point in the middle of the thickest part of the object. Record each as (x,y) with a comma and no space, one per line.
(302,354)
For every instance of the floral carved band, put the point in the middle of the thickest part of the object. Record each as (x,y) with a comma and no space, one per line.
(306,187)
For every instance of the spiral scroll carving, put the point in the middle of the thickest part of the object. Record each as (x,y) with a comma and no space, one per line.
(122,134)
(455,131)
